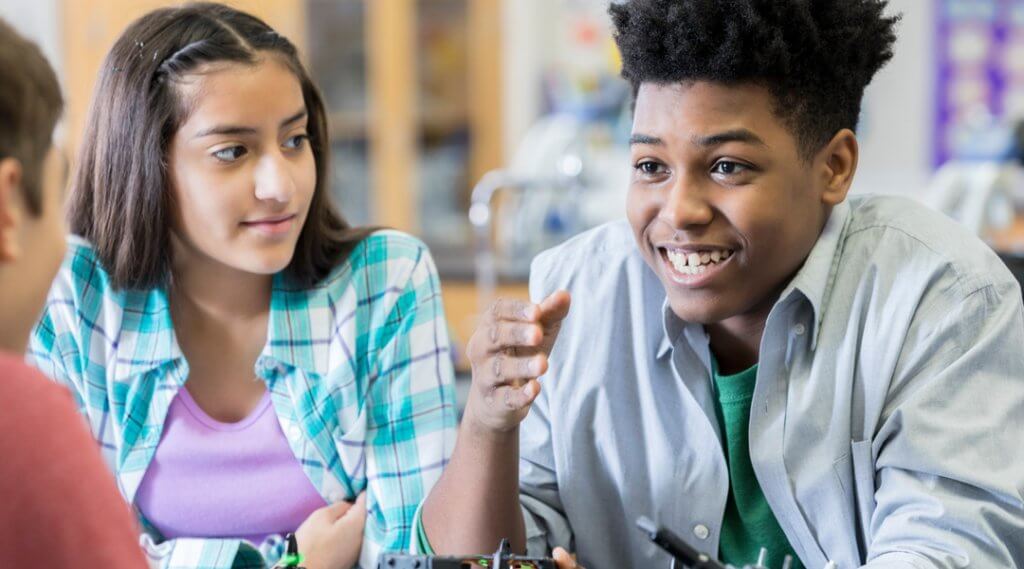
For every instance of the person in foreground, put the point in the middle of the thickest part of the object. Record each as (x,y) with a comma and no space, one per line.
(60,506)
(752,359)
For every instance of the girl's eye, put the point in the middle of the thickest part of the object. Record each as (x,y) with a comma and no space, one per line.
(296,142)
(229,154)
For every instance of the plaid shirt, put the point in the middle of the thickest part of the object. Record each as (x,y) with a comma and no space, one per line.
(358,368)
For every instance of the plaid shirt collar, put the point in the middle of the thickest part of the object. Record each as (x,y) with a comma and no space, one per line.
(284,347)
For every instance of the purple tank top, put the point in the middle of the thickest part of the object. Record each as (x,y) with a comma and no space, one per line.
(225,480)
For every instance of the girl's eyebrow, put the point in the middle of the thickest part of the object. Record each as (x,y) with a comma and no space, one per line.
(238,130)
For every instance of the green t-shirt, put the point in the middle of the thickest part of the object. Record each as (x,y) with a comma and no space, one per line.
(749,522)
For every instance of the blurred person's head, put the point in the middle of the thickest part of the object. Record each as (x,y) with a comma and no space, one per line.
(206,146)
(743,138)
(31,186)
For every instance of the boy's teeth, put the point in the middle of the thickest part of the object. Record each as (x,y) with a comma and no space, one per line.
(696,263)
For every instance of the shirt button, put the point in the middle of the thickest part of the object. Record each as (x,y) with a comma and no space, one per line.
(294,433)
(701,531)
(799,329)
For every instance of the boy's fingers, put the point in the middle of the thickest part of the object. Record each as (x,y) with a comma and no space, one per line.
(515,310)
(555,308)
(507,370)
(563,560)
(520,398)
(506,335)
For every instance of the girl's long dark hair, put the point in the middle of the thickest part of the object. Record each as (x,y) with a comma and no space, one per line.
(120,199)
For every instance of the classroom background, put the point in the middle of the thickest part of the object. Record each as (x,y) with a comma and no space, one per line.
(493,129)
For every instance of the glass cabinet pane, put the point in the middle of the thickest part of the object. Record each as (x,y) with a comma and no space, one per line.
(444,134)
(338,62)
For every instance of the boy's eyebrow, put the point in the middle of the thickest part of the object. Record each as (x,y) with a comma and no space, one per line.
(736,135)
(717,139)
(645,139)
(238,130)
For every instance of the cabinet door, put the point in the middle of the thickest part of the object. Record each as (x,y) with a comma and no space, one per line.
(458,111)
(337,50)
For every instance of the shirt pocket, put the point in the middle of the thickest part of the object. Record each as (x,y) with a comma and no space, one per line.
(855,474)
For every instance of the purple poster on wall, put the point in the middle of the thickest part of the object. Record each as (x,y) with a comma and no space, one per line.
(980,75)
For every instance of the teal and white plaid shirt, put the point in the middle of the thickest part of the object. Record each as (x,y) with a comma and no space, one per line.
(358,368)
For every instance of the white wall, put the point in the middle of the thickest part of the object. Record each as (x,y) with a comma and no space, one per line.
(897,116)
(526,36)
(38,20)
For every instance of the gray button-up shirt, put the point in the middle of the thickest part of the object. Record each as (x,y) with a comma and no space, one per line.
(887,421)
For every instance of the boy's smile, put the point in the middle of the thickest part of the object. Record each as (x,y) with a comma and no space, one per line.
(723,206)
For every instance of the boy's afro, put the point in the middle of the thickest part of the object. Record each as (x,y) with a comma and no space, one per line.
(814,56)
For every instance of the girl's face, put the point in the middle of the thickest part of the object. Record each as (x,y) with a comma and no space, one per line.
(241,168)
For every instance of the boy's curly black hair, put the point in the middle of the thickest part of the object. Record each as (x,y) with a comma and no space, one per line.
(814,56)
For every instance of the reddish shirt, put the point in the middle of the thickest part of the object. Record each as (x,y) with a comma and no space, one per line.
(59,506)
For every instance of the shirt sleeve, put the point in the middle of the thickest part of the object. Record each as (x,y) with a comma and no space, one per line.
(412,409)
(48,348)
(946,459)
(547,525)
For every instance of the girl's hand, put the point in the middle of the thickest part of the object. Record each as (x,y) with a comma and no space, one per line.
(332,536)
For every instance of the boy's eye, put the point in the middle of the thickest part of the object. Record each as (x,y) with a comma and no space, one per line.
(728,168)
(649,168)
(296,142)
(229,154)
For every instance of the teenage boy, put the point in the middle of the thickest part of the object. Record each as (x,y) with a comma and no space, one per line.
(60,507)
(754,359)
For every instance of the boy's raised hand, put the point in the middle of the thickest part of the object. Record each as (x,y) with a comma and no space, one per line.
(508,352)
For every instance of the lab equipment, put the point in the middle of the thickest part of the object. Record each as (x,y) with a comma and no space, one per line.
(501,559)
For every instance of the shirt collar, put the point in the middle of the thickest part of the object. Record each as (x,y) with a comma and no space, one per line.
(288,336)
(814,280)
(817,275)
(145,339)
(672,326)
(294,327)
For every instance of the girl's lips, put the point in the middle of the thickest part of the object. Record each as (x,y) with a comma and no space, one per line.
(272,226)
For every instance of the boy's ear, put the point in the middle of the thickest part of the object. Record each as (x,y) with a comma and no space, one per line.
(839,164)
(11,205)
